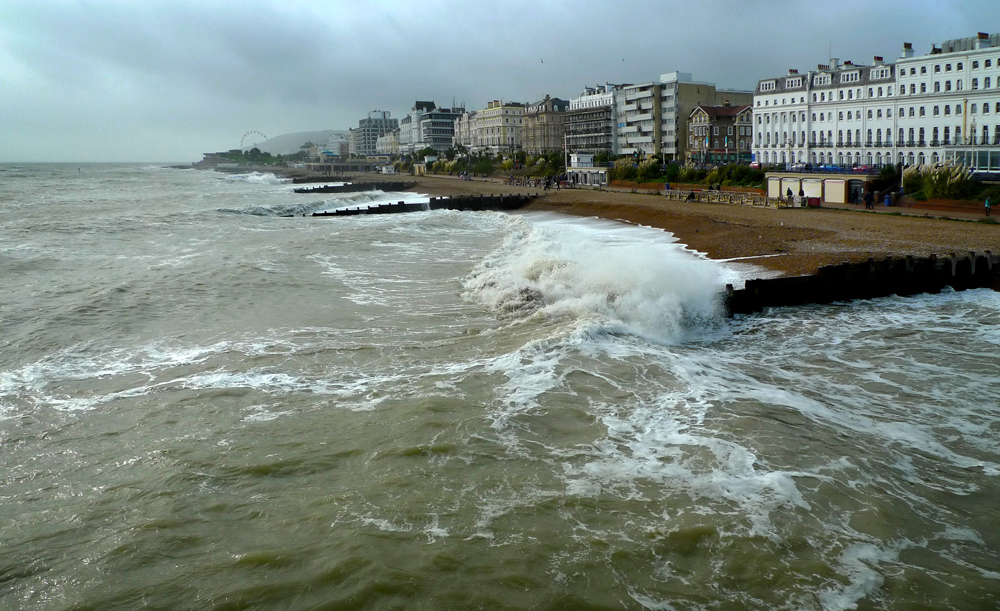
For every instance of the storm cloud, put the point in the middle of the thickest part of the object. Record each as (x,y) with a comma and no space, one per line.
(166,81)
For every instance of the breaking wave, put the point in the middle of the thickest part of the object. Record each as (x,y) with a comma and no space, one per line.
(629,279)
(258,178)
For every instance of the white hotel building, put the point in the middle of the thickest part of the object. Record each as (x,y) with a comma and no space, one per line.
(941,106)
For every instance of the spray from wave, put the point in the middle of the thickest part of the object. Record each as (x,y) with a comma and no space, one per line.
(258,178)
(626,279)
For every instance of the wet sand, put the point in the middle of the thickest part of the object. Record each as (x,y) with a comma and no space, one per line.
(802,239)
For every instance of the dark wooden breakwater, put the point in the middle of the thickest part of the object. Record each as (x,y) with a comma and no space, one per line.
(354,187)
(867,280)
(464,202)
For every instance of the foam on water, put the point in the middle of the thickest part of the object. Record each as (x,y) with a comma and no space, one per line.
(258,178)
(625,279)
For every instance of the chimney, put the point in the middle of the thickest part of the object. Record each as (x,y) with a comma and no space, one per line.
(907,50)
(982,41)
(834,62)
(726,104)
(878,60)
(792,71)
(935,50)
(822,67)
(848,62)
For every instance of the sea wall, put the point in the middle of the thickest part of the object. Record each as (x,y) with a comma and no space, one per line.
(867,280)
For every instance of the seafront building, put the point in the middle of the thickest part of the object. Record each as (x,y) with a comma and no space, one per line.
(543,126)
(920,109)
(388,144)
(651,118)
(720,134)
(364,139)
(497,128)
(589,125)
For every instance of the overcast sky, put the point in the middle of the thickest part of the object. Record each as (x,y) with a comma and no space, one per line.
(147,80)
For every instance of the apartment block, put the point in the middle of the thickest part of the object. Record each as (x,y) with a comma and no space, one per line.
(920,109)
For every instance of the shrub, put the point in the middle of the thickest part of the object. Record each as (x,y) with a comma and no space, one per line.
(624,169)
(913,179)
(649,170)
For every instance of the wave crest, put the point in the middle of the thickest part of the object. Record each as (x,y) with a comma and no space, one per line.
(632,279)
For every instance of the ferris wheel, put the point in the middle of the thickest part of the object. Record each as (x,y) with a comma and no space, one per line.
(251,139)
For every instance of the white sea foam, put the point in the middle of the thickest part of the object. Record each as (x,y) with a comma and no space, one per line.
(258,178)
(629,279)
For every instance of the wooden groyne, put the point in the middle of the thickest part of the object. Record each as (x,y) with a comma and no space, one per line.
(464,202)
(354,187)
(867,280)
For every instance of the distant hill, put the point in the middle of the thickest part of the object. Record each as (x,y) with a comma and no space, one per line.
(288,144)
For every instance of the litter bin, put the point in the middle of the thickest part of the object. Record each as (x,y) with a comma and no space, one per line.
(888,199)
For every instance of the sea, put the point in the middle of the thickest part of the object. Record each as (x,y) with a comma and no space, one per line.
(208,404)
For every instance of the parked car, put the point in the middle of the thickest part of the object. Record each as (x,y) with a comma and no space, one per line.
(755,165)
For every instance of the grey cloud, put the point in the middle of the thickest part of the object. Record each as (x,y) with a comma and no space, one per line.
(169,80)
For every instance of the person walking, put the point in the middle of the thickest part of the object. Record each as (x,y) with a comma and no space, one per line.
(869,201)
(987,206)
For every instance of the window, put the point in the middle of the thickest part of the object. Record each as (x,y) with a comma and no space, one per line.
(870,93)
(814,97)
(934,137)
(922,111)
(986,64)
(888,90)
(937,111)
(814,116)
(822,97)
(937,68)
(729,130)
(840,116)
(850,94)
(972,109)
(715,130)
(959,66)
(822,117)
(878,114)
(923,69)
(937,86)
(958,109)
(841,95)
(848,115)
(986,109)
(911,111)
(888,113)
(869,137)
(913,71)
(947,133)
(923,87)
(986,83)
(947,110)
(958,85)
(975,65)
(975,83)
(879,92)
(869,113)
(913,88)
(947,67)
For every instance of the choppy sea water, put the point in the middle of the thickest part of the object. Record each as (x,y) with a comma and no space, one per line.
(204,405)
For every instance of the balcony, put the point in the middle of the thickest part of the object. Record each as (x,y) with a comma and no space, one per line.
(935,143)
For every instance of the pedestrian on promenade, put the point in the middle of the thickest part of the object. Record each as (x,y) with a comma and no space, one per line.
(869,201)
(987,206)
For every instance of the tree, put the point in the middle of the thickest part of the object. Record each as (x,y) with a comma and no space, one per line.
(426,152)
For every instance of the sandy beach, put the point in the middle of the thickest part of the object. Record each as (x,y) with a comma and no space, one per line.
(793,241)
